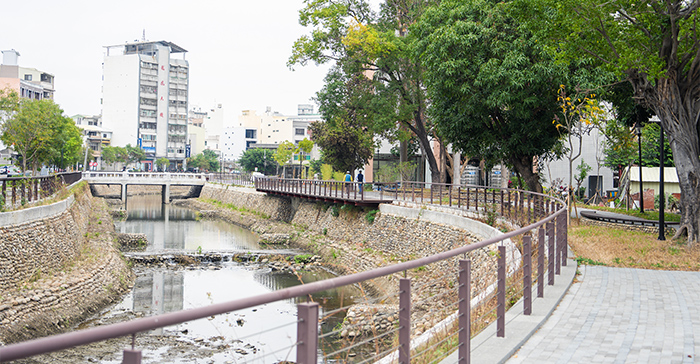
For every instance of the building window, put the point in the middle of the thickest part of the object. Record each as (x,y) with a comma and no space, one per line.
(299,131)
(250,133)
(27,77)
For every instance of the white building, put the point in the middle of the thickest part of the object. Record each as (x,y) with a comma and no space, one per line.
(145,99)
(600,178)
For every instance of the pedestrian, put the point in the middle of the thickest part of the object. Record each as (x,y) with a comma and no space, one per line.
(360,179)
(348,178)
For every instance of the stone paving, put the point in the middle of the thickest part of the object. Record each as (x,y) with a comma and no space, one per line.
(621,315)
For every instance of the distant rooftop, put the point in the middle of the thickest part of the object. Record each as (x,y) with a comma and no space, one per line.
(146,47)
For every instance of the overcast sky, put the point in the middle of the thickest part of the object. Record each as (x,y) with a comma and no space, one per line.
(237,50)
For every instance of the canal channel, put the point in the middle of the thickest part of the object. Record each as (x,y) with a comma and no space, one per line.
(265,334)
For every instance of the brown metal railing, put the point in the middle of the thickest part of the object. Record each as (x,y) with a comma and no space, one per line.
(17,191)
(550,246)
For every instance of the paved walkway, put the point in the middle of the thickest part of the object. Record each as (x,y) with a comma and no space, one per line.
(621,315)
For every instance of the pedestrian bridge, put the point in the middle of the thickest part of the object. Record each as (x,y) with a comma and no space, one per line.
(164,179)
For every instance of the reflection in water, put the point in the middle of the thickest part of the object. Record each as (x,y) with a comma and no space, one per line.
(160,290)
(173,228)
(270,329)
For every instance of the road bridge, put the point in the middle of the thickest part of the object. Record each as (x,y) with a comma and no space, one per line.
(163,179)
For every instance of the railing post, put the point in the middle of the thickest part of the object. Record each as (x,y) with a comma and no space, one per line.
(431,194)
(529,208)
(501,307)
(501,202)
(527,274)
(131,356)
(449,194)
(468,198)
(459,197)
(307,333)
(557,247)
(562,239)
(540,262)
(465,311)
(550,247)
(405,321)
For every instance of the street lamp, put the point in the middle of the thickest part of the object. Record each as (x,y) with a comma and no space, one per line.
(662,197)
(638,132)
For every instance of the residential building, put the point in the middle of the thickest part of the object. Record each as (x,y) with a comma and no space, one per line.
(95,136)
(29,83)
(145,99)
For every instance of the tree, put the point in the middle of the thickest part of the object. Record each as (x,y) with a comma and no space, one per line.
(652,45)
(31,129)
(163,163)
(304,147)
(491,84)
(66,146)
(346,136)
(344,146)
(134,154)
(111,154)
(375,46)
(212,158)
(283,154)
(258,159)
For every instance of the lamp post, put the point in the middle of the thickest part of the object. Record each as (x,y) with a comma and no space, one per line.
(662,195)
(638,132)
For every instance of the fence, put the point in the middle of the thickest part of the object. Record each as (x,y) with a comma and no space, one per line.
(439,286)
(18,191)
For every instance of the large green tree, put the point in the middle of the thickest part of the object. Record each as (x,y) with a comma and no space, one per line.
(36,130)
(655,47)
(260,159)
(492,86)
(376,46)
(345,136)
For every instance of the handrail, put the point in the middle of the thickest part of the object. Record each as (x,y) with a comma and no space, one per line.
(67,340)
(17,190)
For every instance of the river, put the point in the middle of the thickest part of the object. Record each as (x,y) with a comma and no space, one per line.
(264,334)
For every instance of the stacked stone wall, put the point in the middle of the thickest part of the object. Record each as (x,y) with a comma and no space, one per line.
(58,269)
(350,243)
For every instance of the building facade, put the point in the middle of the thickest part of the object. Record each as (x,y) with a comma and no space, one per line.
(145,99)
(29,83)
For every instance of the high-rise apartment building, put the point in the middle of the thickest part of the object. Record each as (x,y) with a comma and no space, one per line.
(145,99)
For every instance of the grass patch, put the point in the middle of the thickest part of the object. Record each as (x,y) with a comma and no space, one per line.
(624,248)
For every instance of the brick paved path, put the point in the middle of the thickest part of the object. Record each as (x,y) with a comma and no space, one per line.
(621,315)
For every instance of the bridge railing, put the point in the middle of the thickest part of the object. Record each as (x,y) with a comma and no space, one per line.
(18,191)
(144,176)
(444,293)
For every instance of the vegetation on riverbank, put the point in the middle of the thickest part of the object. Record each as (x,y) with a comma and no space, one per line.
(632,249)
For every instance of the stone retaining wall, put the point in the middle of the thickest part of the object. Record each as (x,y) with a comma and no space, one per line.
(352,244)
(58,269)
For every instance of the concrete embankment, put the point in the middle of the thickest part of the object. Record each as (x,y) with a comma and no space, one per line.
(58,265)
(351,242)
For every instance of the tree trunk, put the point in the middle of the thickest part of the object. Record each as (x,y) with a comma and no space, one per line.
(523,165)
(680,122)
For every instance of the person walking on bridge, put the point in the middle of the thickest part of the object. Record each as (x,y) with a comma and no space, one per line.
(348,179)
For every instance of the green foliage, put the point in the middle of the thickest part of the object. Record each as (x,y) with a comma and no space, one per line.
(163,163)
(335,211)
(284,152)
(389,100)
(344,135)
(491,83)
(302,258)
(370,216)
(326,172)
(587,261)
(38,131)
(205,161)
(259,158)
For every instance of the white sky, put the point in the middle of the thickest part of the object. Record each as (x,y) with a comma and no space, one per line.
(237,50)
